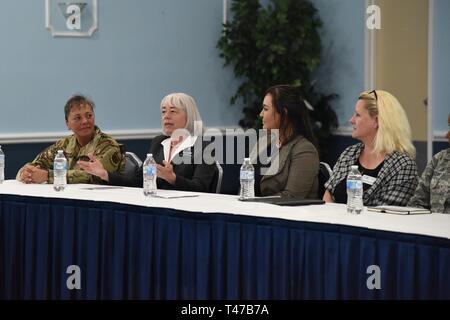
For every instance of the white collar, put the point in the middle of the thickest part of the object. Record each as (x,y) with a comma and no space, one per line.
(187,143)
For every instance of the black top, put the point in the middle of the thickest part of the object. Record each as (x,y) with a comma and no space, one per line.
(340,192)
(190,176)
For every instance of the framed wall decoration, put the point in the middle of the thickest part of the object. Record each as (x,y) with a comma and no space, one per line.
(71,19)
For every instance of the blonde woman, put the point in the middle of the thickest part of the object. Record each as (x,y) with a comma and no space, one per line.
(384,156)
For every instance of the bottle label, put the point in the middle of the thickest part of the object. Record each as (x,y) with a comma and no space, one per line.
(354,184)
(247,175)
(2,158)
(150,170)
(59,165)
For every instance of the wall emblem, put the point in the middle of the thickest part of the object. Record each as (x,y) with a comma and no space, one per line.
(71,19)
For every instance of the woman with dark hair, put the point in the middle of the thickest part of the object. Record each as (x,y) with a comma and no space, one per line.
(294,168)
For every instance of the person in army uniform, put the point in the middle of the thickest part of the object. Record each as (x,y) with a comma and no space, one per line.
(87,139)
(433,191)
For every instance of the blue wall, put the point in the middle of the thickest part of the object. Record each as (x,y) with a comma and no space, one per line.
(342,67)
(441,65)
(142,51)
(145,49)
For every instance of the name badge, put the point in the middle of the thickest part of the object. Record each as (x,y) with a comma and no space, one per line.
(368,180)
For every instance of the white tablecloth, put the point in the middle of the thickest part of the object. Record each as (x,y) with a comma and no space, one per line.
(435,224)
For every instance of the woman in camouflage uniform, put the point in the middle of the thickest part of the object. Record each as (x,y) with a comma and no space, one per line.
(86,139)
(433,191)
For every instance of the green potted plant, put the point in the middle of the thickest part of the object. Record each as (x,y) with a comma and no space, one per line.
(278,43)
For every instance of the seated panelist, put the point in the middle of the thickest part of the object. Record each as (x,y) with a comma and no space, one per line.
(385,155)
(294,168)
(86,139)
(433,191)
(178,152)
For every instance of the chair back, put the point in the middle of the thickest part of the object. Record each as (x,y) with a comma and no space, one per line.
(132,163)
(219,177)
(325,173)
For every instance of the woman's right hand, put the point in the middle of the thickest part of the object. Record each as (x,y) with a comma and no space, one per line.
(327,196)
(94,167)
(33,174)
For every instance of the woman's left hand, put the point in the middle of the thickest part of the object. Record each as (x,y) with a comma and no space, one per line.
(166,172)
(94,167)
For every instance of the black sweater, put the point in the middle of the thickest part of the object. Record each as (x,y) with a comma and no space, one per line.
(189,176)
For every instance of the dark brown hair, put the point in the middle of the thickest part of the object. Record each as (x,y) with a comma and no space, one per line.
(294,116)
(76,101)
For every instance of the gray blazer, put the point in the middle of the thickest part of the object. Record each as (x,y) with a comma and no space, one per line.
(297,173)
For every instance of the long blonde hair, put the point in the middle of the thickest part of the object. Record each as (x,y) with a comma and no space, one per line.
(394,131)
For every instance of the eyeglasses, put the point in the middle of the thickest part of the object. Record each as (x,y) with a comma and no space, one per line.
(375,94)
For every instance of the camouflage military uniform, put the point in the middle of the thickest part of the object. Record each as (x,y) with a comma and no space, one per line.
(433,190)
(104,147)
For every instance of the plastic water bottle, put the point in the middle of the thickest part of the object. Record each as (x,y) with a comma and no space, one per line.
(354,191)
(149,172)
(59,171)
(247,177)
(2,165)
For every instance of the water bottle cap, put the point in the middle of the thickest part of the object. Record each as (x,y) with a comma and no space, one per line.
(149,155)
(354,167)
(60,151)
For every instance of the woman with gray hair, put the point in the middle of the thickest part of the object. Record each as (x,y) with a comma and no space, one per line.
(178,152)
(182,102)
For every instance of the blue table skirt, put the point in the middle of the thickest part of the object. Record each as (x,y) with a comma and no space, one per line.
(132,252)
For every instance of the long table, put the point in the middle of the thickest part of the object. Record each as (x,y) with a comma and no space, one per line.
(93,243)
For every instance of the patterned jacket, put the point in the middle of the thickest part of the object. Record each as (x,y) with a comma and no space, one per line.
(104,147)
(433,191)
(394,185)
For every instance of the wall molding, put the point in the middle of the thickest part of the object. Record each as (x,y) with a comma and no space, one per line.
(42,137)
(343,131)
(142,134)
(438,135)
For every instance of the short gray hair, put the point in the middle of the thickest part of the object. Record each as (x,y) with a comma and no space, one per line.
(186,103)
